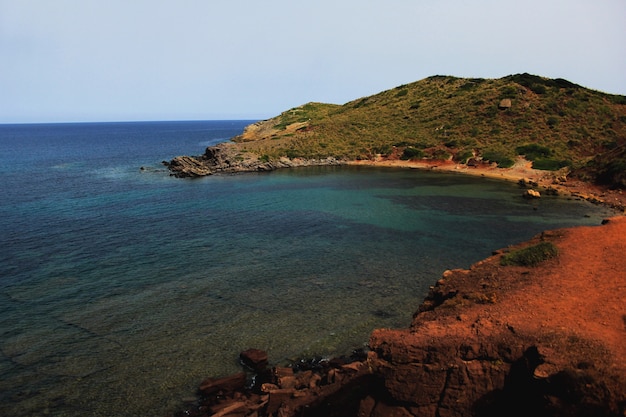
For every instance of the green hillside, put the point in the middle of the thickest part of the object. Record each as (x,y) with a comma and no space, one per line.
(553,122)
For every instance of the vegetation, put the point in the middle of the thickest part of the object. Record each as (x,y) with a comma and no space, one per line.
(552,122)
(530,256)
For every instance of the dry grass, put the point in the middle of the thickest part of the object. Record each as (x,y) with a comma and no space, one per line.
(457,117)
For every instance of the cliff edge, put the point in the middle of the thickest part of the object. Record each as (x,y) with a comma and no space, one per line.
(518,340)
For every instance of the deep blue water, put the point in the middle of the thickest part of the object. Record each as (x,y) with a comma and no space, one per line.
(122,288)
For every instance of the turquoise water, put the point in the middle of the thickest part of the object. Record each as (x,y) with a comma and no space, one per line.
(121,289)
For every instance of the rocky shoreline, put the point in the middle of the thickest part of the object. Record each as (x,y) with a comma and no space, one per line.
(493,340)
(543,340)
(226,158)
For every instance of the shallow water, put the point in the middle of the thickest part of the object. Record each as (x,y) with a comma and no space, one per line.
(121,288)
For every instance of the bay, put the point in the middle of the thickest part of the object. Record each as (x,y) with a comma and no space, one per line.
(121,288)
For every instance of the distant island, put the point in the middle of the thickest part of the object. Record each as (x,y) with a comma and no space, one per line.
(536,329)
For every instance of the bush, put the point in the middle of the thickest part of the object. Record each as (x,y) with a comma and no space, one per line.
(293,153)
(402,93)
(464,155)
(533,151)
(552,121)
(547,164)
(530,256)
(441,154)
(415,105)
(503,160)
(412,153)
(508,92)
(383,149)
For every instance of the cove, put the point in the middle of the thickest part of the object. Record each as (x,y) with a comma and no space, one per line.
(120,297)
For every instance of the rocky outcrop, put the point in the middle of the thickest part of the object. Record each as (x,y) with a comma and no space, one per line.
(227,158)
(489,341)
(500,340)
(505,104)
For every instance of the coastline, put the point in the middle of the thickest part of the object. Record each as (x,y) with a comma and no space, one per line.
(546,181)
(225,158)
(484,338)
(493,339)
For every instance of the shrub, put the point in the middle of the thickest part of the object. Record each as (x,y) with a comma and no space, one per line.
(533,151)
(464,155)
(530,256)
(441,154)
(508,92)
(548,164)
(552,121)
(503,160)
(412,153)
(402,93)
(538,88)
(293,153)
(415,105)
(383,149)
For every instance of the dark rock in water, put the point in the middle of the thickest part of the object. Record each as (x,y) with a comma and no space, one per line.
(223,386)
(255,359)
(226,158)
(188,166)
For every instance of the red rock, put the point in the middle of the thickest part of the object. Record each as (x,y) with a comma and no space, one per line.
(280,372)
(229,409)
(367,406)
(277,398)
(384,410)
(227,384)
(254,359)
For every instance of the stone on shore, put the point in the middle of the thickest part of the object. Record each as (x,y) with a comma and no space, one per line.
(255,359)
(530,194)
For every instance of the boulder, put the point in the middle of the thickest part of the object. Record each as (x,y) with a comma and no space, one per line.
(505,104)
(255,359)
(530,194)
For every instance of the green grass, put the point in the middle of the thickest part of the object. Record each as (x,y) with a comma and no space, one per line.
(552,121)
(530,256)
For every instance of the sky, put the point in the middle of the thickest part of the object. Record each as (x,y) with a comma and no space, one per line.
(124,60)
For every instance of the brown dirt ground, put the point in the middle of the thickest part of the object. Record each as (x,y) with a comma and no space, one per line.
(572,306)
(583,292)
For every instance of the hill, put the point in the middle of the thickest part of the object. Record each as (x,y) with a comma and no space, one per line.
(552,122)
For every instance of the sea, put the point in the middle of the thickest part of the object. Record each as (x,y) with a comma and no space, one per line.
(122,287)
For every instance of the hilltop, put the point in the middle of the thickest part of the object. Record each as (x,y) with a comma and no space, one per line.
(554,123)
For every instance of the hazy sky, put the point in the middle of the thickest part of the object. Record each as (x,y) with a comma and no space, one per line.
(104,60)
